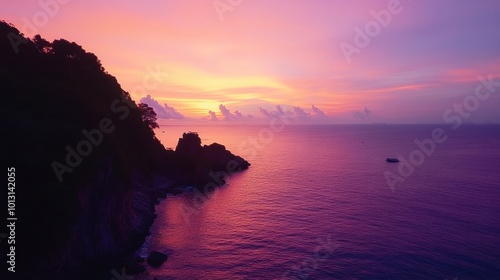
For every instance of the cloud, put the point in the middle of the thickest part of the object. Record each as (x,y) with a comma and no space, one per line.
(294,113)
(265,112)
(277,112)
(300,114)
(363,115)
(229,116)
(319,114)
(213,116)
(163,112)
(238,114)
(367,112)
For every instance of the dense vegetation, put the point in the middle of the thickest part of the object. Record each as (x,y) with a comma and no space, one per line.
(89,167)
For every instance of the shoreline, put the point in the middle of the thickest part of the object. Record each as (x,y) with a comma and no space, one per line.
(135,263)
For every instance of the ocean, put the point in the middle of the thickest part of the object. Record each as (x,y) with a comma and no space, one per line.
(321,202)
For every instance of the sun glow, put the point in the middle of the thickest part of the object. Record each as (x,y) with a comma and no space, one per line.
(197,79)
(285,53)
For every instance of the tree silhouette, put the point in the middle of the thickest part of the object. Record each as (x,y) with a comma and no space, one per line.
(70,51)
(148,115)
(55,98)
(41,44)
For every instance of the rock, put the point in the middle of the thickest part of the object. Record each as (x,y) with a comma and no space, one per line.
(189,144)
(221,159)
(156,259)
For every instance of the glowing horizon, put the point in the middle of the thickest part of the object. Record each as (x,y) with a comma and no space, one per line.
(236,60)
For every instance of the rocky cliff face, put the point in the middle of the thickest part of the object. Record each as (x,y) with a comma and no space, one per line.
(89,169)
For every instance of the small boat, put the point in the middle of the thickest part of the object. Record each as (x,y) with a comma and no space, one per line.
(392,159)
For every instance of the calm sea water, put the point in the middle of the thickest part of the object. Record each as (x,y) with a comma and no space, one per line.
(315,205)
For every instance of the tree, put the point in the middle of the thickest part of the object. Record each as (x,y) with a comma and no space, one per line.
(148,115)
(72,51)
(41,44)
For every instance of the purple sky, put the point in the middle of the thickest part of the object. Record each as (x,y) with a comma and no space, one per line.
(302,55)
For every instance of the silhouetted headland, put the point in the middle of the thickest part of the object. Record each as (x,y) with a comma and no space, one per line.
(90,169)
(215,156)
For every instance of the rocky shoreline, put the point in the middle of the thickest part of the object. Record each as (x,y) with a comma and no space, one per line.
(218,163)
(89,168)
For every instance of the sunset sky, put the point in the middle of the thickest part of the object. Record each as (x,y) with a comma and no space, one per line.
(235,61)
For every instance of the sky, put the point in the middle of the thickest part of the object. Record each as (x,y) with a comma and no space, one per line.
(318,61)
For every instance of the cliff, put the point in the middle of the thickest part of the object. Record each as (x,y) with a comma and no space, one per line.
(89,168)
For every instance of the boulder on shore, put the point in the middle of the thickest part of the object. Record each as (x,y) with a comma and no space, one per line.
(156,259)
